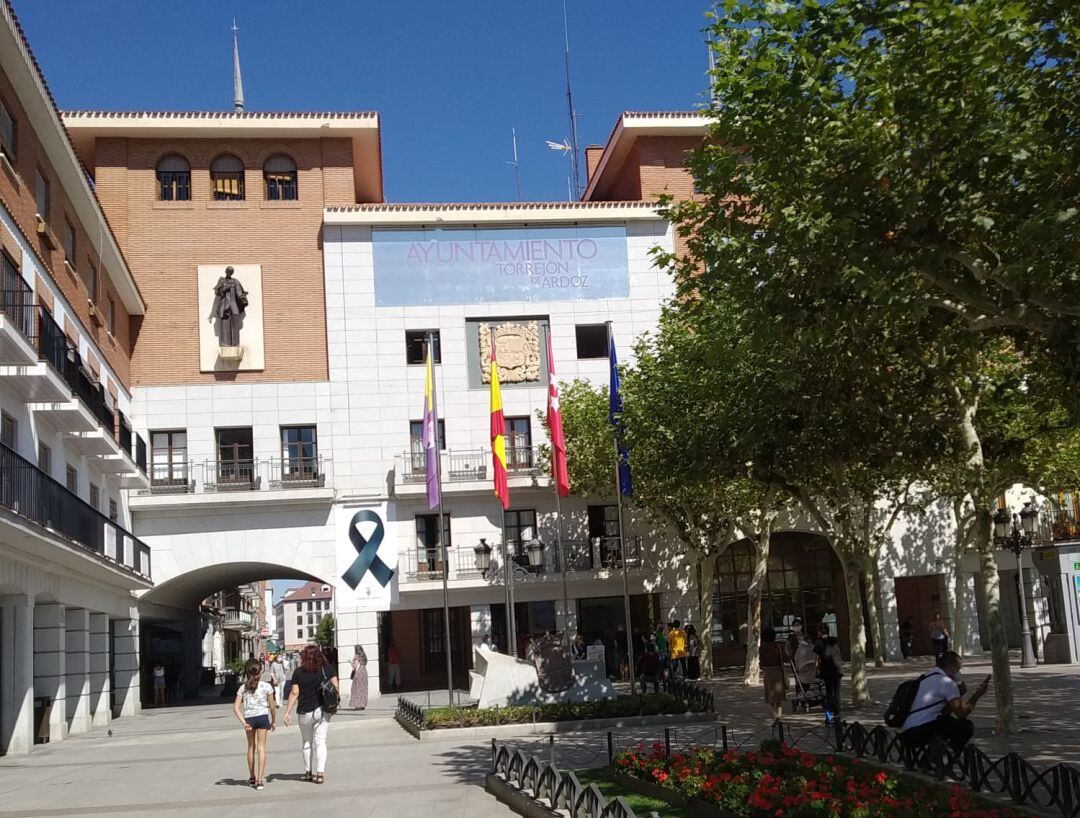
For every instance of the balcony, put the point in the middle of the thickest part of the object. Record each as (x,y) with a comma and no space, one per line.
(585,559)
(18,322)
(210,483)
(33,495)
(237,620)
(469,471)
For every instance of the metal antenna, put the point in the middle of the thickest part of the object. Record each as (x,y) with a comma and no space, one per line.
(237,80)
(570,109)
(712,59)
(516,164)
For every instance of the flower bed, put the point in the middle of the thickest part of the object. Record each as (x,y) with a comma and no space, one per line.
(788,783)
(651,704)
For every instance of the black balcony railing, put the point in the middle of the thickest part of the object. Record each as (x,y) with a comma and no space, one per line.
(231,475)
(296,472)
(601,553)
(467,466)
(124,433)
(18,304)
(31,493)
(171,478)
(52,343)
(428,564)
(140,453)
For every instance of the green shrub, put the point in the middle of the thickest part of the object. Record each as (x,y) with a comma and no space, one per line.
(650,704)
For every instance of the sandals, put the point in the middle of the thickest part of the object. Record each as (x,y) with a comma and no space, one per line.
(307,777)
(260,784)
(319,778)
(251,781)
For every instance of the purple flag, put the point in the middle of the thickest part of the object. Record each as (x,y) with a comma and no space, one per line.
(431,438)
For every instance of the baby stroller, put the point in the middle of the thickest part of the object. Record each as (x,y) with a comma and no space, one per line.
(809,689)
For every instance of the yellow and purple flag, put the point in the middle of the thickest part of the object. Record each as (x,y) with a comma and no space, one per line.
(498,436)
(431,437)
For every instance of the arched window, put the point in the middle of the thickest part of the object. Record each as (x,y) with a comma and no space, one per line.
(280,175)
(227,178)
(173,178)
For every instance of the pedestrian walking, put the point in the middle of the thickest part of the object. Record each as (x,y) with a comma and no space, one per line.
(623,653)
(661,640)
(393,666)
(939,635)
(830,664)
(773,674)
(275,674)
(307,697)
(693,653)
(159,684)
(358,690)
(677,649)
(907,637)
(650,668)
(256,711)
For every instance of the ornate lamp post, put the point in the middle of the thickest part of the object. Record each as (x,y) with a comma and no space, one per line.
(535,551)
(1016,533)
(483,557)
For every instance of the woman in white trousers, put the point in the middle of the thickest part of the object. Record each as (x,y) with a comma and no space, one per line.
(314,723)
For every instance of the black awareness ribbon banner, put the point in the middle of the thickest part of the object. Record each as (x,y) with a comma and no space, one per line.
(367,551)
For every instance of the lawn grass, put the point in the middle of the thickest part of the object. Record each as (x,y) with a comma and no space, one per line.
(642,805)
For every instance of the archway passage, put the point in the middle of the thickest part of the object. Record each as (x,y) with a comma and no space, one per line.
(804,580)
(194,625)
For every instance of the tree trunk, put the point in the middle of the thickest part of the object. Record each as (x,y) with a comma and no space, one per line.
(706,572)
(869,581)
(879,632)
(959,585)
(999,647)
(860,691)
(751,675)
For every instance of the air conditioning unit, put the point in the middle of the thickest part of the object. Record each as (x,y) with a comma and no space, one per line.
(42,228)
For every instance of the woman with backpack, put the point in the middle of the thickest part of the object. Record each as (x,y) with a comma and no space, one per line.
(256,710)
(315,696)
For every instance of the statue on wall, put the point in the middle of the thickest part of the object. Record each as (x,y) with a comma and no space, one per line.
(230,302)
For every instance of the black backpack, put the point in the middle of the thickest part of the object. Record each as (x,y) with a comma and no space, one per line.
(900,706)
(329,698)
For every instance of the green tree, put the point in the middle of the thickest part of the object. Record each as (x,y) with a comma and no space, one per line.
(326,633)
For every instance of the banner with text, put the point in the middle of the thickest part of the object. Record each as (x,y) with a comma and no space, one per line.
(491,265)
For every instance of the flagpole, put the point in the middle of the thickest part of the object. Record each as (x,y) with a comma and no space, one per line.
(553,390)
(562,563)
(441,523)
(622,541)
(511,620)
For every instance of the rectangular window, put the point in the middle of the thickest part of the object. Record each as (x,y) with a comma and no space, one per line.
(300,620)
(236,466)
(416,346)
(72,479)
(604,530)
(168,458)
(89,279)
(44,458)
(592,340)
(311,619)
(299,453)
(110,315)
(41,196)
(519,452)
(299,633)
(520,528)
(8,431)
(69,243)
(7,131)
(428,539)
(114,511)
(311,633)
(95,497)
(434,639)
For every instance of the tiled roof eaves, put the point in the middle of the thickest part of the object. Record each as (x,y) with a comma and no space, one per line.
(443,206)
(225,115)
(67,137)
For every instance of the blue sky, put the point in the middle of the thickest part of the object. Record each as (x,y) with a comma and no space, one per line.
(450,79)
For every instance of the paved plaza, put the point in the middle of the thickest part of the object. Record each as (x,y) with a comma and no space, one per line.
(189,760)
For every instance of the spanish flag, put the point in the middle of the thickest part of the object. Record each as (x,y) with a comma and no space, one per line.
(498,436)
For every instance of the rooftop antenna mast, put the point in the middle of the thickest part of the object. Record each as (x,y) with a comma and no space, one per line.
(237,80)
(516,164)
(709,42)
(574,171)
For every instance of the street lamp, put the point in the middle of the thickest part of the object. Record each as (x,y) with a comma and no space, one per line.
(1016,533)
(535,551)
(483,557)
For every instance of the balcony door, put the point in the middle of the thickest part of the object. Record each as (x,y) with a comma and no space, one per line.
(604,525)
(299,454)
(519,453)
(168,459)
(235,462)
(520,528)
(428,536)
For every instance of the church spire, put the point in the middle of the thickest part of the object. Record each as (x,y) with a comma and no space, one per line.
(237,80)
